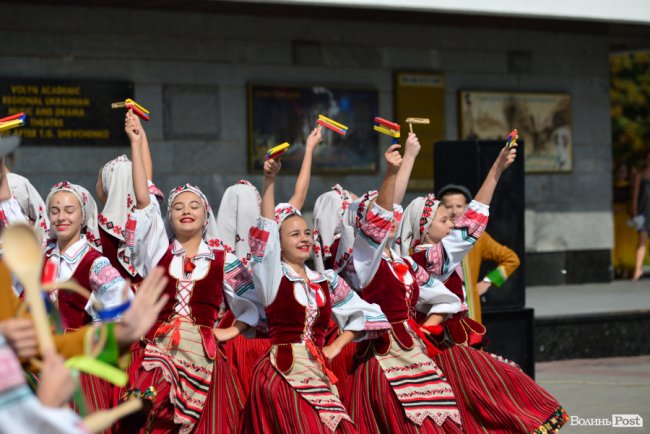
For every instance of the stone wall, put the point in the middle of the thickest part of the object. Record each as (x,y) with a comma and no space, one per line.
(191,70)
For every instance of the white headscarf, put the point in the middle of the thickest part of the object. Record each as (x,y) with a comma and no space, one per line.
(117,180)
(328,222)
(238,212)
(418,216)
(210,232)
(284,210)
(89,226)
(352,220)
(31,203)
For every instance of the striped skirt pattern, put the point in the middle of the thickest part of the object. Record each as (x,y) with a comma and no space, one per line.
(243,354)
(375,408)
(99,394)
(274,407)
(497,397)
(220,413)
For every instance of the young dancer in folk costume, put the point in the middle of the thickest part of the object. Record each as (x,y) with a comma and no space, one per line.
(456,198)
(73,253)
(116,184)
(238,212)
(180,356)
(493,394)
(395,386)
(292,387)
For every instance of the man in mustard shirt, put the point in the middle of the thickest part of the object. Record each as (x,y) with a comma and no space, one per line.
(456,198)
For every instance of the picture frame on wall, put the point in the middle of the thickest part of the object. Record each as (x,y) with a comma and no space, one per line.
(279,113)
(543,121)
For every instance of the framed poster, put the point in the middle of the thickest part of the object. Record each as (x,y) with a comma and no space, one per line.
(542,119)
(280,113)
(67,112)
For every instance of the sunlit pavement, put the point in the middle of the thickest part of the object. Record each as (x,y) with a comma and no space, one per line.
(591,389)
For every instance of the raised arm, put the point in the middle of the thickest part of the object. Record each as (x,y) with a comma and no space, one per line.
(504,160)
(386,195)
(5,192)
(271,170)
(302,183)
(135,133)
(411,151)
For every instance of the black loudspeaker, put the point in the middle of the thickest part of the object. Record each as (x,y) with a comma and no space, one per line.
(511,336)
(467,162)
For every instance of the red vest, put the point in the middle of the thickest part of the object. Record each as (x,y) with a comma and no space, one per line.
(287,317)
(205,300)
(72,306)
(109,247)
(390,294)
(207,293)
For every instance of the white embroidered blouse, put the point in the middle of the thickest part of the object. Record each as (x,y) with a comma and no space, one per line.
(151,244)
(349,311)
(445,256)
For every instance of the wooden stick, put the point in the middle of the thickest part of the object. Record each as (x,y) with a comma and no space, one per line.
(23,256)
(425,121)
(411,121)
(101,420)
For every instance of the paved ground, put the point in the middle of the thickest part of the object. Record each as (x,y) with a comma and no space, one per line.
(588,298)
(596,388)
(599,388)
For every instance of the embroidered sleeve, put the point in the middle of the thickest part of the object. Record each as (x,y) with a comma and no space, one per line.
(351,312)
(434,295)
(150,238)
(368,246)
(462,238)
(20,411)
(421,276)
(106,287)
(155,194)
(473,222)
(240,293)
(443,258)
(264,241)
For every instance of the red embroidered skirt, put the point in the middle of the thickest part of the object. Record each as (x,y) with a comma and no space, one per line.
(342,364)
(274,407)
(99,394)
(495,396)
(222,408)
(243,354)
(375,408)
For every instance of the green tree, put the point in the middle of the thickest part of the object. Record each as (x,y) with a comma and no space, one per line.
(629,94)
